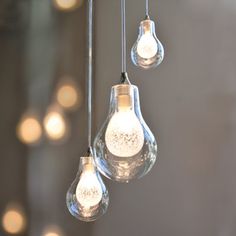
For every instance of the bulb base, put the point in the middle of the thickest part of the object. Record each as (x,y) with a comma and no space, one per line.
(87,163)
(147,26)
(124,96)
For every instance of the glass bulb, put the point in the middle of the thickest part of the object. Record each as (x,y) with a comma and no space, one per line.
(147,52)
(125,148)
(87,198)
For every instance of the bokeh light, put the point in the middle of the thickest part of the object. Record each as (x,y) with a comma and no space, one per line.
(29,130)
(67,96)
(67,5)
(51,234)
(55,125)
(53,230)
(13,220)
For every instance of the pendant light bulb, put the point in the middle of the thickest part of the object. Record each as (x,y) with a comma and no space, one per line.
(124,134)
(125,148)
(147,52)
(87,198)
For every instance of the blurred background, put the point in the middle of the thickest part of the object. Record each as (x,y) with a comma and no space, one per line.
(189,102)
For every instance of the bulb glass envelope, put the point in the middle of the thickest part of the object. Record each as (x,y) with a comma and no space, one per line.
(147,52)
(87,198)
(124,148)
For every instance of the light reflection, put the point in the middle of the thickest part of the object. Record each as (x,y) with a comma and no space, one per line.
(29,130)
(13,220)
(67,5)
(68,95)
(55,125)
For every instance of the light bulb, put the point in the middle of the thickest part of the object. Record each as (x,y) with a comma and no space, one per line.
(87,198)
(147,52)
(124,148)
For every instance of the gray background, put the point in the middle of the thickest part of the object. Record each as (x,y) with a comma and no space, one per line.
(189,102)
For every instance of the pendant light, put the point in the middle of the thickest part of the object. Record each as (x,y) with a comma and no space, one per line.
(87,198)
(125,148)
(147,52)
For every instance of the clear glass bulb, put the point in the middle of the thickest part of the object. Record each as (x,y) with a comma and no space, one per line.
(87,198)
(147,52)
(125,148)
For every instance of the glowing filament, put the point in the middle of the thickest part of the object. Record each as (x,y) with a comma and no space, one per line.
(88,191)
(124,135)
(147,46)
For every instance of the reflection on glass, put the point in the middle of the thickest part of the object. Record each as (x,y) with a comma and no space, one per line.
(68,96)
(13,220)
(67,5)
(29,130)
(55,125)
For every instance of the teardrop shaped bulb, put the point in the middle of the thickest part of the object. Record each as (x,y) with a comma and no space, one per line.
(124,148)
(147,52)
(87,198)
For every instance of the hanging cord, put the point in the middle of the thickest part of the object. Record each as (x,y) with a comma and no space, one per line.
(124,76)
(123,35)
(90,71)
(147,9)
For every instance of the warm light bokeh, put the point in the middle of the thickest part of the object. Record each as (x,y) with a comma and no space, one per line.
(67,4)
(13,221)
(51,234)
(29,130)
(52,231)
(55,125)
(67,96)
